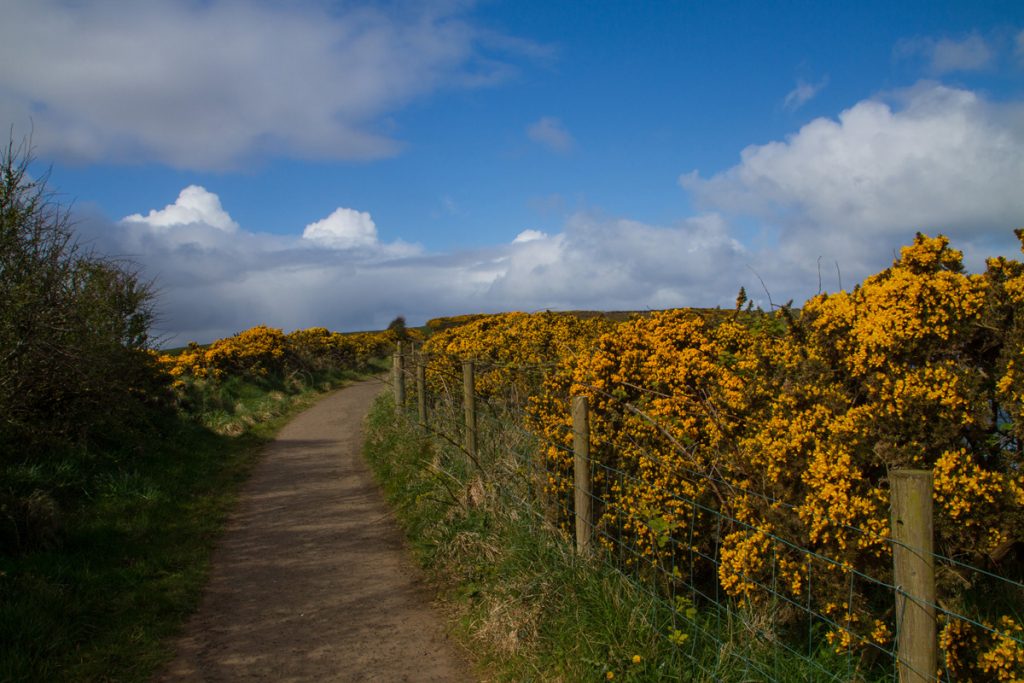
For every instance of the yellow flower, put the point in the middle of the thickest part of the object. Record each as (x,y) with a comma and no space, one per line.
(787,422)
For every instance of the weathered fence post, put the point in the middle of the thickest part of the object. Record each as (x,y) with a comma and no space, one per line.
(399,378)
(469,402)
(914,574)
(421,391)
(581,469)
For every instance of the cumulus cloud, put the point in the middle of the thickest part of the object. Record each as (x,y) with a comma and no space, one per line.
(214,281)
(803,93)
(343,229)
(550,132)
(946,55)
(210,85)
(850,189)
(529,236)
(607,263)
(931,158)
(194,205)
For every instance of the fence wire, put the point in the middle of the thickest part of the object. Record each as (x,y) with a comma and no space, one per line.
(679,573)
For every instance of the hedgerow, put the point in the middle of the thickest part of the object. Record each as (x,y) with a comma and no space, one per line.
(262,351)
(786,426)
(504,345)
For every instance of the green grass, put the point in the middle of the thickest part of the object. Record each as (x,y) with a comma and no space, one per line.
(102,599)
(527,605)
(525,602)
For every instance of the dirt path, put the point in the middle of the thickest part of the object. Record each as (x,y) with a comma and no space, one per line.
(311,581)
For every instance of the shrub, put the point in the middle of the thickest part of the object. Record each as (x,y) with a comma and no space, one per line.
(75,370)
(510,348)
(73,326)
(788,425)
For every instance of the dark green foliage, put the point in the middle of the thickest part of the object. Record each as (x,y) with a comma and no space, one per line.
(75,373)
(73,326)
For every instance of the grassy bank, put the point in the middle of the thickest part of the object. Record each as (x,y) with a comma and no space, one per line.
(133,527)
(525,603)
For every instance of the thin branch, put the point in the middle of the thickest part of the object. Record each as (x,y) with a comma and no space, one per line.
(763,286)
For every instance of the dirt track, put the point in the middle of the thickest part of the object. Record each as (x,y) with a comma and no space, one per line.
(311,581)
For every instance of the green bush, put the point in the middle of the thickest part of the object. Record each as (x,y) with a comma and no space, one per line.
(74,363)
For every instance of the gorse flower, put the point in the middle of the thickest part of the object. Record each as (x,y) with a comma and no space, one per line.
(788,423)
(261,351)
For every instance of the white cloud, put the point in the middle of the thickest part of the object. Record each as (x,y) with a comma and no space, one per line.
(216,84)
(615,263)
(529,236)
(803,93)
(214,282)
(946,55)
(550,132)
(343,229)
(194,205)
(850,190)
(1018,48)
(935,159)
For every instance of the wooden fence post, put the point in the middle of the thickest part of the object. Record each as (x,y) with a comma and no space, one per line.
(399,379)
(421,391)
(469,402)
(914,574)
(581,469)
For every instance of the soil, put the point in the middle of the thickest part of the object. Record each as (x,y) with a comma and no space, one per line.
(312,580)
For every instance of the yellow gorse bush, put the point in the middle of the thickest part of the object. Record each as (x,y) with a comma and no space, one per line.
(317,347)
(256,351)
(261,351)
(788,424)
(506,347)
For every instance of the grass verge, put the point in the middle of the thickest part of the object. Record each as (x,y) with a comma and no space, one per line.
(525,603)
(103,599)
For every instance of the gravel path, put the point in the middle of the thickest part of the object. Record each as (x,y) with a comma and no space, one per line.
(312,581)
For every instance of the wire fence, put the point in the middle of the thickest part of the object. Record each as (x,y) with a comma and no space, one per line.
(796,612)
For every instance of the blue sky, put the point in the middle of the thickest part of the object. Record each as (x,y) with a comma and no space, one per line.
(349,162)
